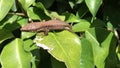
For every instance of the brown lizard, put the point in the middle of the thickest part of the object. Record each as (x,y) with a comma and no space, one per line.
(46,26)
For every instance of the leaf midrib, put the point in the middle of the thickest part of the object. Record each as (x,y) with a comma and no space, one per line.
(67,55)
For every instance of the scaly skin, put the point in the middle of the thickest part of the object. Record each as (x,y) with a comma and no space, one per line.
(46,26)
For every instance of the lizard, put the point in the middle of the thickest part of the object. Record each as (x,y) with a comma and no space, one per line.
(46,26)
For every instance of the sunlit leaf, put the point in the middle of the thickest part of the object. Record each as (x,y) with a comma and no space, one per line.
(81,26)
(38,12)
(14,56)
(93,6)
(47,3)
(56,15)
(29,45)
(27,35)
(58,46)
(26,3)
(87,58)
(71,17)
(32,14)
(101,40)
(5,6)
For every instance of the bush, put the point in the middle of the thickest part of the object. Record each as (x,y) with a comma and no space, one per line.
(93,43)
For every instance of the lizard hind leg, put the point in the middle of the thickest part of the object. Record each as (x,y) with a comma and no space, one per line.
(46,32)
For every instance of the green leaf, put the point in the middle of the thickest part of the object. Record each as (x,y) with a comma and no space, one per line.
(26,3)
(12,22)
(29,45)
(22,21)
(14,6)
(83,25)
(87,59)
(57,64)
(71,4)
(33,62)
(93,6)
(56,15)
(112,61)
(47,3)
(5,34)
(32,14)
(100,40)
(64,46)
(71,17)
(38,12)
(41,6)
(79,1)
(5,6)
(110,26)
(27,35)
(98,23)
(9,19)
(82,11)
(14,56)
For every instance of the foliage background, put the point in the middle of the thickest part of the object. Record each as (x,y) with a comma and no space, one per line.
(94,42)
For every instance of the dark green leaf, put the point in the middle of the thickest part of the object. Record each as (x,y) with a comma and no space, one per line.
(98,23)
(112,60)
(13,22)
(5,34)
(112,15)
(8,20)
(41,6)
(82,11)
(57,64)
